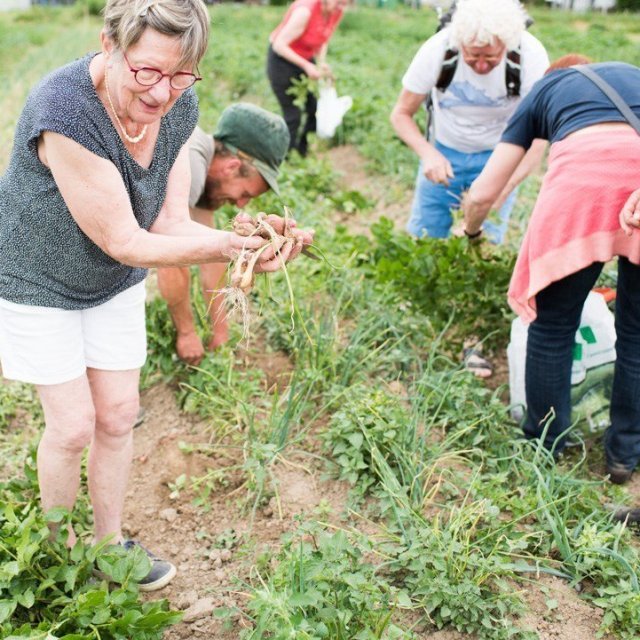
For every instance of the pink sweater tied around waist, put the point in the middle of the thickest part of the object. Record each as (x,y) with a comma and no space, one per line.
(575,219)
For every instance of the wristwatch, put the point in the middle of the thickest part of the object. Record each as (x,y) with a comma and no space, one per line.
(471,236)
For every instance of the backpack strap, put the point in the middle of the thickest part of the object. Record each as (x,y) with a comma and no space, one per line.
(448,69)
(512,72)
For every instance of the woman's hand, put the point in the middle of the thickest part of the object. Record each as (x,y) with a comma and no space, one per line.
(312,71)
(286,227)
(287,244)
(233,244)
(325,71)
(630,213)
(283,251)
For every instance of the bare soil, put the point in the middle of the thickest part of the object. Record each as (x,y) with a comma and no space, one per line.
(192,537)
(390,200)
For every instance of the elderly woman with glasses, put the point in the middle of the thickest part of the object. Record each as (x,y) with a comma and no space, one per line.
(96,193)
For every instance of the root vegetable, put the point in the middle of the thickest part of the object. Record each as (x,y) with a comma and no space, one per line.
(244,229)
(242,274)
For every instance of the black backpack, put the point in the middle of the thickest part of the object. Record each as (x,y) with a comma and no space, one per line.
(450,62)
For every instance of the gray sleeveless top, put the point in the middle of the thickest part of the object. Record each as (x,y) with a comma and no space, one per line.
(45,258)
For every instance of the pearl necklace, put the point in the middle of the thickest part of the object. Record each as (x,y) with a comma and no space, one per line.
(131,139)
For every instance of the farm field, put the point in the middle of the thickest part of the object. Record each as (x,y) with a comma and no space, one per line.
(338,475)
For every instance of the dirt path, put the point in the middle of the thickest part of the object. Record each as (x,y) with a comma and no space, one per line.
(204,542)
(389,199)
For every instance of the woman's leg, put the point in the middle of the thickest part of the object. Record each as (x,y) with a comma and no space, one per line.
(43,346)
(115,350)
(281,73)
(115,396)
(550,343)
(311,106)
(116,402)
(70,418)
(69,428)
(622,440)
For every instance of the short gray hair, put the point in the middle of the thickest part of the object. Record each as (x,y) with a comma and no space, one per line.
(187,20)
(482,22)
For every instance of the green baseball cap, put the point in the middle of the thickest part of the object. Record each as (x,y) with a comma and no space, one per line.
(257,133)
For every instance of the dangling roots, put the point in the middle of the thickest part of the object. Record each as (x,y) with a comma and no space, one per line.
(238,304)
(242,276)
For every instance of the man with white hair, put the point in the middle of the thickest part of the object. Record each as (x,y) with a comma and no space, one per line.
(484,48)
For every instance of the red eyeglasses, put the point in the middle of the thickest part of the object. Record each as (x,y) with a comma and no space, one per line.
(148,76)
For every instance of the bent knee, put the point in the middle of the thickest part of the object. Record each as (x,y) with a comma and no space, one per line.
(117,420)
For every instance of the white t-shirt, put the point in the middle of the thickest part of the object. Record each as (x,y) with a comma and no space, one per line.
(472,112)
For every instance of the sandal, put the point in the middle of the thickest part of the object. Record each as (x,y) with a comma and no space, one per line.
(475,362)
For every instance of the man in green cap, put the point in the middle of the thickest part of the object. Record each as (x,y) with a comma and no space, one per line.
(240,162)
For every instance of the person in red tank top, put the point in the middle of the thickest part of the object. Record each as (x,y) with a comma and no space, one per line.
(298,47)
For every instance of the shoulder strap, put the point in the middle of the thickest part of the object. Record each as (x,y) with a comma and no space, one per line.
(511,71)
(448,69)
(611,93)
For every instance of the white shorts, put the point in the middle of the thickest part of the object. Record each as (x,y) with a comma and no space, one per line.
(45,345)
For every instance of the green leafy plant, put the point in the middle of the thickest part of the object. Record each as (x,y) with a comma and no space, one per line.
(15,398)
(90,7)
(300,89)
(323,587)
(461,287)
(369,420)
(162,362)
(48,590)
(621,604)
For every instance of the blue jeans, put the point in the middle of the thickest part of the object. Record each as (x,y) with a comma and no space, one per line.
(433,203)
(550,354)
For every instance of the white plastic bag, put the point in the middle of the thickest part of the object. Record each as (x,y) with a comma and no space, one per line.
(594,346)
(330,111)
